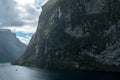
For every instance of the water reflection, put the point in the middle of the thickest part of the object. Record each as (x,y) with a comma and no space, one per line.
(12,72)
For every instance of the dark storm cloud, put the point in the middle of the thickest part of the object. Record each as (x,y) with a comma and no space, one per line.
(9,15)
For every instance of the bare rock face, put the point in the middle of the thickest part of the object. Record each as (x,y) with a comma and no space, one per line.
(76,34)
(11,48)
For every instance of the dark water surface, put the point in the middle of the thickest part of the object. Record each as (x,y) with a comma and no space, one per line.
(12,72)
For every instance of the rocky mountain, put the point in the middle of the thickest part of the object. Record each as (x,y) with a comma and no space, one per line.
(11,48)
(76,34)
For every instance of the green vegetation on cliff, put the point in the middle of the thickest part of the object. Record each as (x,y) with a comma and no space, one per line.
(75,34)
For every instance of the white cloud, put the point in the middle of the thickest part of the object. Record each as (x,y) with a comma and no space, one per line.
(23,29)
(19,12)
(24,40)
(25,2)
(40,3)
(20,16)
(9,15)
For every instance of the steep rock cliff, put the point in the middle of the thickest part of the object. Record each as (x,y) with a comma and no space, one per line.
(76,34)
(11,48)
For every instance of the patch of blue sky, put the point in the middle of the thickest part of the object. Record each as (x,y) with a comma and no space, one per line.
(25,35)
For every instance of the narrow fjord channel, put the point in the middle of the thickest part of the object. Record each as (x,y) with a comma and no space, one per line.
(13,72)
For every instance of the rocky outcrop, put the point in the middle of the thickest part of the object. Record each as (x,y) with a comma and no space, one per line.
(76,34)
(11,48)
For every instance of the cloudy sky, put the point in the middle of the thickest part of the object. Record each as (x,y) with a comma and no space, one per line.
(20,16)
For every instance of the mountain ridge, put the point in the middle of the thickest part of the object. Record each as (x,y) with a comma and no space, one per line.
(11,48)
(76,34)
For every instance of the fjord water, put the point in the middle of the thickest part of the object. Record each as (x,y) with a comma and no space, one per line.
(13,72)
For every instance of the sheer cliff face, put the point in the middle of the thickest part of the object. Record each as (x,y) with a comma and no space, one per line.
(76,34)
(10,47)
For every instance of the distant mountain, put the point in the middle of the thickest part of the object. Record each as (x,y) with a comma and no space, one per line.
(11,48)
(76,34)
